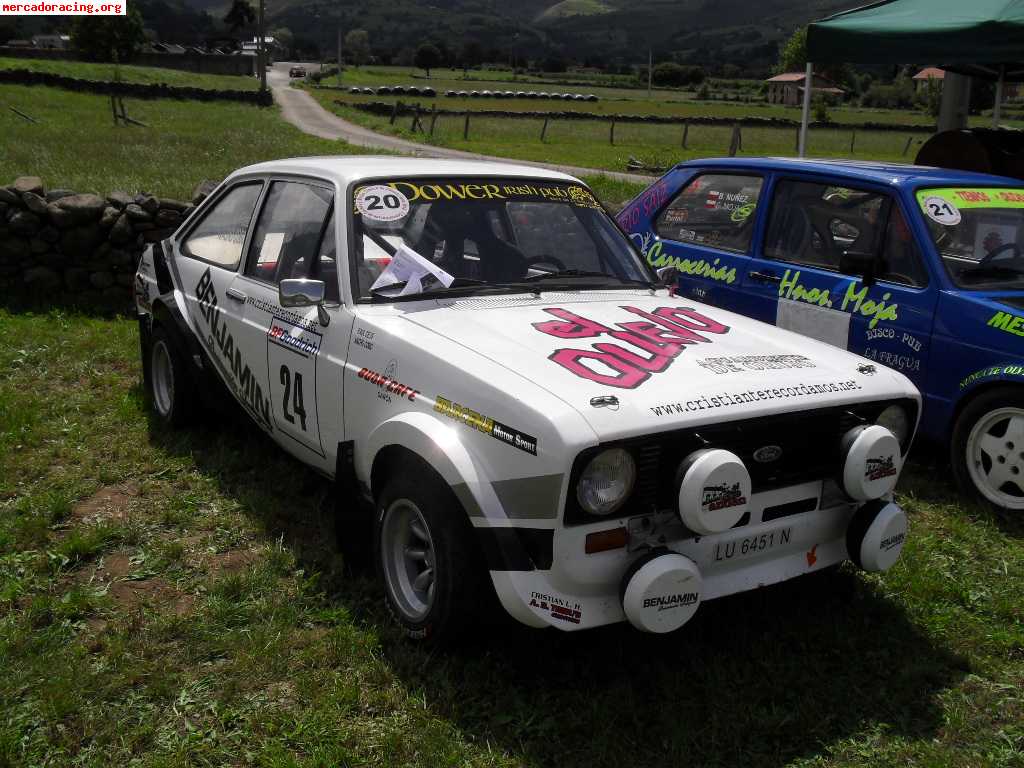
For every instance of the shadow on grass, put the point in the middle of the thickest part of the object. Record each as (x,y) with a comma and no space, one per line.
(762,678)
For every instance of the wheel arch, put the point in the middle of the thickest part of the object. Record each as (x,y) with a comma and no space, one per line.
(981,388)
(439,447)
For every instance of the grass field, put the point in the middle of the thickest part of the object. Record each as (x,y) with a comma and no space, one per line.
(586,143)
(132,74)
(172,599)
(75,144)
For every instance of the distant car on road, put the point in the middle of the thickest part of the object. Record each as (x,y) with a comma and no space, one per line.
(297,71)
(919,269)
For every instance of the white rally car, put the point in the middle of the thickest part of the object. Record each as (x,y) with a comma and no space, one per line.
(480,352)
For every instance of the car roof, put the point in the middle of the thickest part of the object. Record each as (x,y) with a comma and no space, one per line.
(348,169)
(892,174)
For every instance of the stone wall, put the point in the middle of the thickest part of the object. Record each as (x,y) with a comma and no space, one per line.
(59,248)
(210,63)
(135,90)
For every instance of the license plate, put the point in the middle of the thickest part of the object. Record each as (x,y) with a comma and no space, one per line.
(752,545)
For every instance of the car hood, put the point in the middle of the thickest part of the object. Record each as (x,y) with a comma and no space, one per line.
(631,362)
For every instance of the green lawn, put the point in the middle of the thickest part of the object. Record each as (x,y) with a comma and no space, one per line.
(176,599)
(132,74)
(587,143)
(75,144)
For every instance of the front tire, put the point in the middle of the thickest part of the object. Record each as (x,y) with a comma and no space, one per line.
(988,448)
(432,575)
(170,384)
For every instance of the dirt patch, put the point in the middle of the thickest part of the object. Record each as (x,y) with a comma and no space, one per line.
(111,502)
(232,561)
(155,592)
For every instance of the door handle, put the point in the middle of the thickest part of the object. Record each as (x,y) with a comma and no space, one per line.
(764,277)
(236,295)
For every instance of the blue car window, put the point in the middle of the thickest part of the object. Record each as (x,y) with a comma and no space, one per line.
(900,261)
(715,210)
(813,224)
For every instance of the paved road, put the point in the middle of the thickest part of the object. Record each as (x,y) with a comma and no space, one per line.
(302,110)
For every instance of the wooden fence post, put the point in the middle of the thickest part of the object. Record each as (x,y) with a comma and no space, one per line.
(465,128)
(433,118)
(415,119)
(686,132)
(611,133)
(394,111)
(906,147)
(113,107)
(853,140)
(736,141)
(543,130)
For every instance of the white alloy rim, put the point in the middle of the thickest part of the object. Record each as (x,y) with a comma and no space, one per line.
(163,378)
(995,457)
(407,551)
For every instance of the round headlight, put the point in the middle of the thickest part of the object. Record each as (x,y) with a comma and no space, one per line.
(606,482)
(895,419)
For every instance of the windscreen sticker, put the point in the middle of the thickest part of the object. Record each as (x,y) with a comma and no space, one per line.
(382,203)
(961,198)
(495,189)
(941,210)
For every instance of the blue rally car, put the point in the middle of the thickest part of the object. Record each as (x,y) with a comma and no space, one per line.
(919,269)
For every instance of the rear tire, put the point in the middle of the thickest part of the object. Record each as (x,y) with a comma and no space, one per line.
(987,450)
(432,574)
(170,382)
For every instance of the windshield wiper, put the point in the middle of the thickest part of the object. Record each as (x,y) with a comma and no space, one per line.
(459,284)
(585,273)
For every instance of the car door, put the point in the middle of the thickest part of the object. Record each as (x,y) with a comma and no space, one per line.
(210,253)
(794,278)
(302,349)
(706,231)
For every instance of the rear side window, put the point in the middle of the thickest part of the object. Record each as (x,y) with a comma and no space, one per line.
(220,236)
(715,210)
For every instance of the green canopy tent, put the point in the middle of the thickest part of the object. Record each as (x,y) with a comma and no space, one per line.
(977,37)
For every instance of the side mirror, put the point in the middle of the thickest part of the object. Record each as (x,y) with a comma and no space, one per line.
(304,292)
(858,264)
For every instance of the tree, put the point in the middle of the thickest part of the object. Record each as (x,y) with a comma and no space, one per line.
(427,56)
(357,46)
(284,37)
(793,57)
(240,15)
(109,38)
(472,55)
(672,74)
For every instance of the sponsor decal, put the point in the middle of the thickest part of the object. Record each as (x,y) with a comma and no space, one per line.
(388,386)
(941,210)
(364,338)
(557,607)
(959,199)
(650,201)
(877,469)
(743,213)
(723,496)
(812,556)
(889,333)
(284,314)
(227,356)
(656,342)
(1004,321)
(891,542)
(742,363)
(676,216)
(429,191)
(854,300)
(292,337)
(381,203)
(668,602)
(726,201)
(653,250)
(892,360)
(487,425)
(767,454)
(997,370)
(729,399)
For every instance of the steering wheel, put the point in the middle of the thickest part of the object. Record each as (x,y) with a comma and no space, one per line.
(998,251)
(543,258)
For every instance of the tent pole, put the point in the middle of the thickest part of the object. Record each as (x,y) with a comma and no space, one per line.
(997,110)
(806,118)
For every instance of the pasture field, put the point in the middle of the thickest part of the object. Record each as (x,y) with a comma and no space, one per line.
(587,142)
(76,145)
(130,73)
(173,598)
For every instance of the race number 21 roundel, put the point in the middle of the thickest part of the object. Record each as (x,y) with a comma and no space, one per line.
(382,203)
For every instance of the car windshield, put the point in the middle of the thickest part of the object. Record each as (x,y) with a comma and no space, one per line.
(436,235)
(979,233)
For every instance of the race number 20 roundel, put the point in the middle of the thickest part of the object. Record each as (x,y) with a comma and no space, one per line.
(382,203)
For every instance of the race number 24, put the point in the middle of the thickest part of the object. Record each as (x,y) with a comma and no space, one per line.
(292,401)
